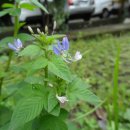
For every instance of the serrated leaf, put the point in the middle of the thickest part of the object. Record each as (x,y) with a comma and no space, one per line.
(25,37)
(78,90)
(26,110)
(31,50)
(38,4)
(59,68)
(49,122)
(56,110)
(51,103)
(27,6)
(35,65)
(39,63)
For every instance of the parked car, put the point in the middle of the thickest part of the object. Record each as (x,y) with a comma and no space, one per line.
(105,8)
(80,9)
(102,8)
(75,8)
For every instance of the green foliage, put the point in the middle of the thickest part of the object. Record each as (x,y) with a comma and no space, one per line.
(5,41)
(38,4)
(31,50)
(26,110)
(51,104)
(59,68)
(52,123)
(7,5)
(27,6)
(25,37)
(78,90)
(37,84)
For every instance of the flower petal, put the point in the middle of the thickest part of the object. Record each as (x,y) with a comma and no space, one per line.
(18,43)
(65,43)
(77,56)
(56,51)
(60,47)
(12,47)
(62,99)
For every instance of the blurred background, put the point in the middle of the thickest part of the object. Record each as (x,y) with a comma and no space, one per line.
(96,28)
(66,12)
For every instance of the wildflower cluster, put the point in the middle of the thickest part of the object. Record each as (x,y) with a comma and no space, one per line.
(62,49)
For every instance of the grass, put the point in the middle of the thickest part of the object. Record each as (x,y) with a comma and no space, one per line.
(98,67)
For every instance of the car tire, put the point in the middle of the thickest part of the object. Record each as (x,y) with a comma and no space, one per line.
(105,13)
(87,17)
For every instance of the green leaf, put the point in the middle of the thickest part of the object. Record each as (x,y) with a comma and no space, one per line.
(51,103)
(49,122)
(21,24)
(26,110)
(5,11)
(7,5)
(35,65)
(27,6)
(39,63)
(56,110)
(15,12)
(5,115)
(38,4)
(59,68)
(78,90)
(31,50)
(63,114)
(25,37)
(5,41)
(34,80)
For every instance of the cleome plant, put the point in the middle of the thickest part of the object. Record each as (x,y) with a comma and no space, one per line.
(44,91)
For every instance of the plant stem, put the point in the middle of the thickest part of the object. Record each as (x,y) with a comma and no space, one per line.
(16,29)
(46,70)
(115,91)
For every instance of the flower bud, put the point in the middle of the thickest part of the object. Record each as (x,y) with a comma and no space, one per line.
(39,31)
(30,29)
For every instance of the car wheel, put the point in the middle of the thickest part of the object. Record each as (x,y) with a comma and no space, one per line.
(105,13)
(87,17)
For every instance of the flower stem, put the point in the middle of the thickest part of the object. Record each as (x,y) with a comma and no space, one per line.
(6,70)
(46,70)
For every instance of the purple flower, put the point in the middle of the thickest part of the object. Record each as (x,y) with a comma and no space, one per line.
(16,46)
(61,47)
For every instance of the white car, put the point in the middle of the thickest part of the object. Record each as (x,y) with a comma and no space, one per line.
(103,8)
(76,9)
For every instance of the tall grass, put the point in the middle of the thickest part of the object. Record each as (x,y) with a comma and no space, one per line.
(116,91)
